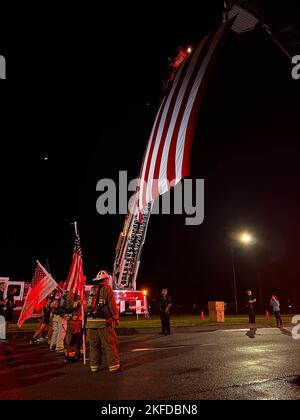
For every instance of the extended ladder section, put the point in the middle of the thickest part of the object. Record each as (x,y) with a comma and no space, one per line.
(129,250)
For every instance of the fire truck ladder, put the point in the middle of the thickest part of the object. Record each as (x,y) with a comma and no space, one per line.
(284,32)
(129,250)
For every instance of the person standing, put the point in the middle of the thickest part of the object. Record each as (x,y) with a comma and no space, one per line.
(164,305)
(102,314)
(10,305)
(250,303)
(42,333)
(74,328)
(276,310)
(59,325)
(2,319)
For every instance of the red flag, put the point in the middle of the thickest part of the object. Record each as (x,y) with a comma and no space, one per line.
(41,286)
(75,281)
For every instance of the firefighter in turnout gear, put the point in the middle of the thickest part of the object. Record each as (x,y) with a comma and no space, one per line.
(102,314)
(74,326)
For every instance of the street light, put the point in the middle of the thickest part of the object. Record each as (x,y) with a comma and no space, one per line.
(245,238)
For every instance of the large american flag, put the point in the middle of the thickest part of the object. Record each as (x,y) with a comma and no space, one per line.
(167,156)
(75,281)
(42,285)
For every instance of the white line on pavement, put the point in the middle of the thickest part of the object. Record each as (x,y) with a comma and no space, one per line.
(166,348)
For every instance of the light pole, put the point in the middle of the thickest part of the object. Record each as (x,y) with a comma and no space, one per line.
(234,281)
(246,239)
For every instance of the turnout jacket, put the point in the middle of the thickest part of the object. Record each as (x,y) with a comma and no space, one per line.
(101,308)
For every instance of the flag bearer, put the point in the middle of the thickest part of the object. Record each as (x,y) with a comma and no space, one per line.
(102,314)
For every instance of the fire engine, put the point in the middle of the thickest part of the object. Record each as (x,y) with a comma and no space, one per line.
(128,301)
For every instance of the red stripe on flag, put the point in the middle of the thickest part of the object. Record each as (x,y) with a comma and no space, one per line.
(153,141)
(171,170)
(191,126)
(155,190)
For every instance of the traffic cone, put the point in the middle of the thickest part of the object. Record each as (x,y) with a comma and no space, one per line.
(267,316)
(202,316)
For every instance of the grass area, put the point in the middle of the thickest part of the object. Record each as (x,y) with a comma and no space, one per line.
(176,321)
(195,321)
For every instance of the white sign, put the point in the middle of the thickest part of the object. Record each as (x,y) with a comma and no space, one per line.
(138,307)
(2,67)
(122,306)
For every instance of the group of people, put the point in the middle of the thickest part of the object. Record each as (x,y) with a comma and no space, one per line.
(6,310)
(64,320)
(274,303)
(62,324)
(165,303)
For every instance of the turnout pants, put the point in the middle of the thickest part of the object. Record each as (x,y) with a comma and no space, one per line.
(107,338)
(73,339)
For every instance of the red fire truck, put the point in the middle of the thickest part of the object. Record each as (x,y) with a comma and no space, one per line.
(128,301)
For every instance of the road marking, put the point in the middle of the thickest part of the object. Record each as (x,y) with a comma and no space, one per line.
(250,329)
(157,348)
(235,329)
(169,347)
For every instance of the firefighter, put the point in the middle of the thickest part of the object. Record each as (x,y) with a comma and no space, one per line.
(102,314)
(74,330)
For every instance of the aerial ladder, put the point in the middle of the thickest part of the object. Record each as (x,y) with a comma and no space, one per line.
(132,238)
(129,249)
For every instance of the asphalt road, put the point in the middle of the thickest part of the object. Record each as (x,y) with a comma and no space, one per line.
(231,364)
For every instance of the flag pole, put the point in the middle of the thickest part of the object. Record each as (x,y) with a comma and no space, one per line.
(83,334)
(82,312)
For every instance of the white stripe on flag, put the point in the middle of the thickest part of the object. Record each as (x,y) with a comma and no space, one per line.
(163,176)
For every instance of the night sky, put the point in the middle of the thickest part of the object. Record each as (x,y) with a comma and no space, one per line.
(83,89)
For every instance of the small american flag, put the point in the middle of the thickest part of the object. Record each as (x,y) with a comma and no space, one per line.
(75,281)
(42,285)
(39,274)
